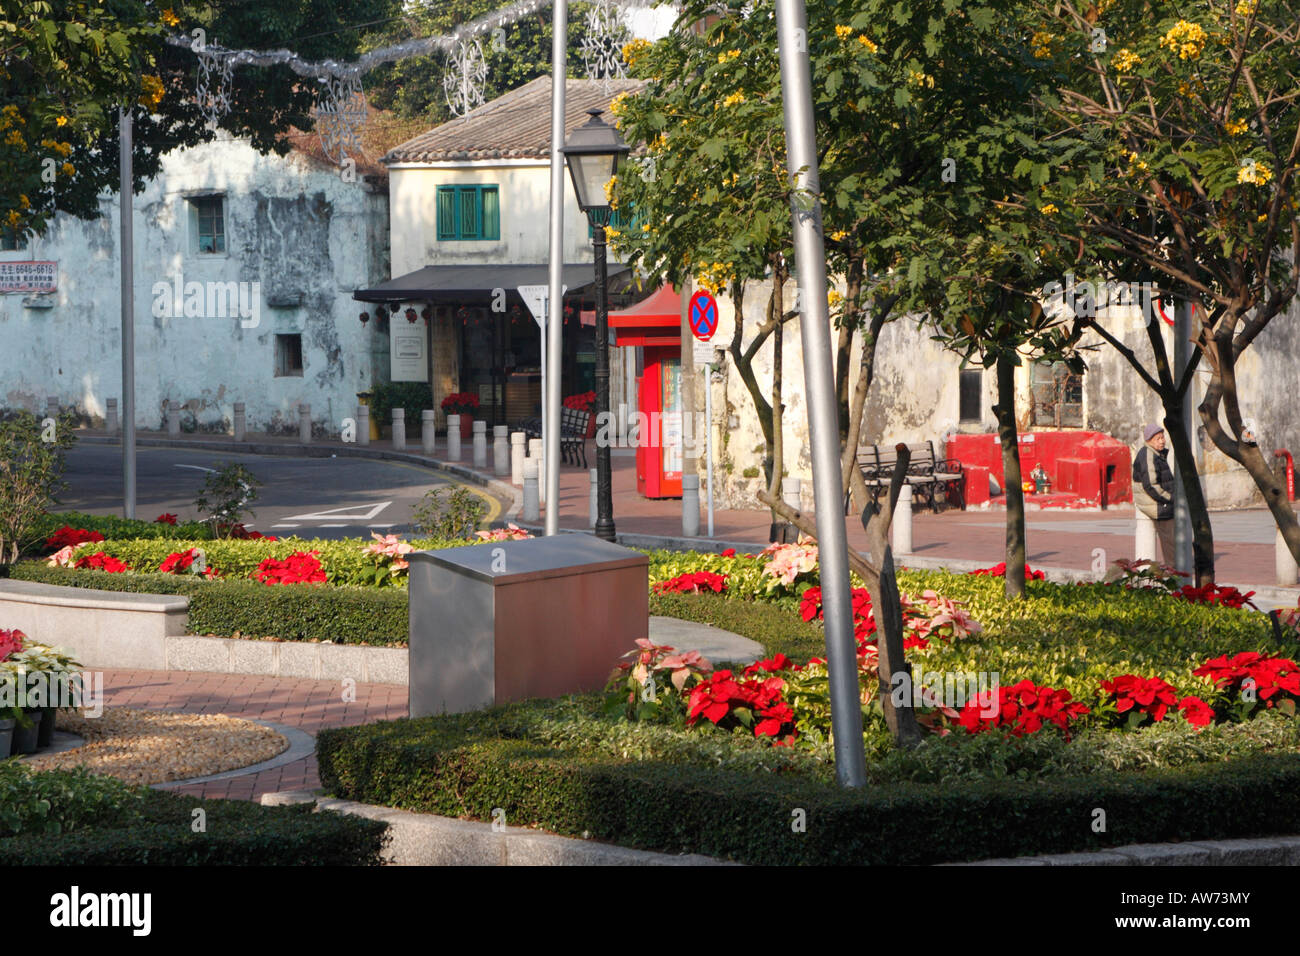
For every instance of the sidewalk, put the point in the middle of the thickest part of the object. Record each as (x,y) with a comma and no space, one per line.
(1056,540)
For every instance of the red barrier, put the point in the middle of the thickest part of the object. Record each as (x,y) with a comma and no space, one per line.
(1290,472)
(1093,467)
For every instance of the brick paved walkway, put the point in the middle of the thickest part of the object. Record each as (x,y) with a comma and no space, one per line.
(306,704)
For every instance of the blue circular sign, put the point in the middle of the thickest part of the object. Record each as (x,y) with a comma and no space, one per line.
(703,315)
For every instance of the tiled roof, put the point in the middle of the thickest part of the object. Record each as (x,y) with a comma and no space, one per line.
(514,126)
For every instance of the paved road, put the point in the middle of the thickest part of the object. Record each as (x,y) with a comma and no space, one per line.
(308,497)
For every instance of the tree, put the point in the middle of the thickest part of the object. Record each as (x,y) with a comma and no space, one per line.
(31,474)
(1190,113)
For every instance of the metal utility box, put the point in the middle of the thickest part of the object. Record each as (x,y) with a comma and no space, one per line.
(506,620)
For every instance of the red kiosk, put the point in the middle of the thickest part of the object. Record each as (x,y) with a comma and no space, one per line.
(654,325)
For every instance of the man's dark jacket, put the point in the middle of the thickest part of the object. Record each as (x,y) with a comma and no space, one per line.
(1153,476)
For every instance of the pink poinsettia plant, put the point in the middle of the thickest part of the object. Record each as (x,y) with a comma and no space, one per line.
(787,562)
(65,557)
(651,683)
(511,532)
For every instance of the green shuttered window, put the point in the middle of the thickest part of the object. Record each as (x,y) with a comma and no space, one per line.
(469,212)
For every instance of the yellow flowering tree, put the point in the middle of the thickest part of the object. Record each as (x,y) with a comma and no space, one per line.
(1187,121)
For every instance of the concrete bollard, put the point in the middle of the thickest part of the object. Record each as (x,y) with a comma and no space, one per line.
(52,407)
(428,432)
(1285,564)
(453,437)
(399,429)
(480,444)
(111,424)
(532,503)
(690,503)
(535,454)
(790,489)
(173,419)
(1144,538)
(304,424)
(501,450)
(241,421)
(593,505)
(902,524)
(363,425)
(517,455)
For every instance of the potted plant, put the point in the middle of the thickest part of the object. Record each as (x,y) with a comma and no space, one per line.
(584,402)
(463,404)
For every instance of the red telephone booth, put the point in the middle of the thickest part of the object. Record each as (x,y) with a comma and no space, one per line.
(654,324)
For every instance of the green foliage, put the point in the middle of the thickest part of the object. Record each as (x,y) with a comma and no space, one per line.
(777,630)
(50,803)
(225,495)
(158,831)
(31,469)
(113,527)
(287,612)
(412,397)
(456,518)
(556,765)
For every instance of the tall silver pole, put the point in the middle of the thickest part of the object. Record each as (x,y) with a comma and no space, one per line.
(555,310)
(819,379)
(1183,516)
(128,316)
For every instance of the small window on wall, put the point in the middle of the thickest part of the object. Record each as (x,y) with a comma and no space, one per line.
(469,212)
(288,355)
(972,395)
(1058,396)
(11,240)
(210,227)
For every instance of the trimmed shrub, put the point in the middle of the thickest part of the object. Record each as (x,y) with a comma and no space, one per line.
(113,527)
(238,834)
(290,612)
(60,801)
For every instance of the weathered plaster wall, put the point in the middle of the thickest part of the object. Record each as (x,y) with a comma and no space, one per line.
(293,226)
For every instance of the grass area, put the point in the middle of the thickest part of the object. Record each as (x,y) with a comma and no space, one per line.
(777,629)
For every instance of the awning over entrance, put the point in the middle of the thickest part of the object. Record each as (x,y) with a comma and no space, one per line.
(454,283)
(655,320)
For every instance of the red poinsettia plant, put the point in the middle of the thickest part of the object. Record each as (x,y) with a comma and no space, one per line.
(301,567)
(102,561)
(1219,595)
(693,582)
(68,536)
(189,561)
(1249,679)
(999,570)
(1139,700)
(1021,709)
(11,642)
(581,402)
(165,518)
(459,403)
(753,703)
(238,532)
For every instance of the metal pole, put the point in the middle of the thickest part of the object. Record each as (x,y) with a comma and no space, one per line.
(819,378)
(708,438)
(604,485)
(128,314)
(1182,516)
(554,325)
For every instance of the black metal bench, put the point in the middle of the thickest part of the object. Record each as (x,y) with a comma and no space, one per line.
(573,434)
(929,476)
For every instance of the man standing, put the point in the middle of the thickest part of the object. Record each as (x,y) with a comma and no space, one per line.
(1153,488)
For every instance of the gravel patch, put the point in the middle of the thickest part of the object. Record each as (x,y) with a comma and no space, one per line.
(153,746)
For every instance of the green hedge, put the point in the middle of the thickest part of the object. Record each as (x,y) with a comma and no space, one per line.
(113,527)
(468,765)
(776,628)
(237,834)
(289,612)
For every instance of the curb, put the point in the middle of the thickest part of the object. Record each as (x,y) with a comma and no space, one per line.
(507,492)
(300,746)
(1254,851)
(425,839)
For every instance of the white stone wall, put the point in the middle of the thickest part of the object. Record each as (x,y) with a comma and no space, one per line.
(294,228)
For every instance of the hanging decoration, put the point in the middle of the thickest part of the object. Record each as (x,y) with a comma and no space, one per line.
(340,116)
(466,77)
(216,76)
(602,46)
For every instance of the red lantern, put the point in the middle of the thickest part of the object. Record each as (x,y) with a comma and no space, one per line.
(365,317)
(381,314)
(410,316)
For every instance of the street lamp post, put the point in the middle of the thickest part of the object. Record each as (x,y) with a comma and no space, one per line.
(593,152)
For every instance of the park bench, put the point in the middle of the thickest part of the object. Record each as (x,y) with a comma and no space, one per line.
(573,434)
(929,476)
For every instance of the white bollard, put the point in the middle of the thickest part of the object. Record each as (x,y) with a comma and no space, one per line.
(1285,564)
(535,454)
(517,455)
(241,421)
(690,503)
(532,504)
(480,444)
(110,417)
(1144,538)
(428,431)
(399,429)
(173,419)
(363,424)
(453,437)
(902,525)
(501,450)
(304,424)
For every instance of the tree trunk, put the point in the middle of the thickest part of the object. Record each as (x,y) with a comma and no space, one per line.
(1185,459)
(1005,410)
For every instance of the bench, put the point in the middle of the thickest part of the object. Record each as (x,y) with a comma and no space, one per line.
(573,434)
(929,476)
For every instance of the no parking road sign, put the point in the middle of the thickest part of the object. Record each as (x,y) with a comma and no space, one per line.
(703,315)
